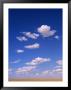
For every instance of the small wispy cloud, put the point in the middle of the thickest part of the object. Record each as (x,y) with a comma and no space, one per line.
(37,61)
(20,51)
(10,69)
(25,69)
(56,37)
(45,72)
(22,38)
(33,46)
(58,70)
(36,74)
(31,35)
(16,61)
(58,67)
(59,62)
(46,31)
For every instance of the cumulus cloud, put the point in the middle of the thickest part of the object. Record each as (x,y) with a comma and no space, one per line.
(31,35)
(20,51)
(16,61)
(33,46)
(37,61)
(25,69)
(46,31)
(59,62)
(56,37)
(22,38)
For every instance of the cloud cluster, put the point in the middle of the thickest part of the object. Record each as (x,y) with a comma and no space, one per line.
(31,35)
(37,61)
(46,31)
(33,46)
(22,38)
(25,69)
(20,51)
(30,66)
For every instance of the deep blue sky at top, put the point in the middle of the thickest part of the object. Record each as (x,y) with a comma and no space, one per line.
(28,20)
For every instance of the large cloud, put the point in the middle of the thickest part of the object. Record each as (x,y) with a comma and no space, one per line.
(37,61)
(46,31)
(25,69)
(33,46)
(31,35)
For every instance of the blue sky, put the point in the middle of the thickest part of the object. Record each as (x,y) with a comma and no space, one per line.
(35,37)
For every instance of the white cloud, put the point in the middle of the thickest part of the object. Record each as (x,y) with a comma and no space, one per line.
(37,61)
(46,31)
(37,74)
(45,72)
(25,69)
(59,62)
(16,61)
(22,38)
(31,35)
(58,70)
(56,37)
(20,51)
(58,66)
(33,46)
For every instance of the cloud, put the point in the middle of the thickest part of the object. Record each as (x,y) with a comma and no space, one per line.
(37,61)
(22,38)
(25,69)
(16,61)
(58,70)
(59,62)
(20,51)
(58,66)
(36,74)
(33,46)
(46,31)
(56,37)
(45,72)
(31,35)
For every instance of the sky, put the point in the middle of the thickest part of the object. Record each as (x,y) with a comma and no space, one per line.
(35,43)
